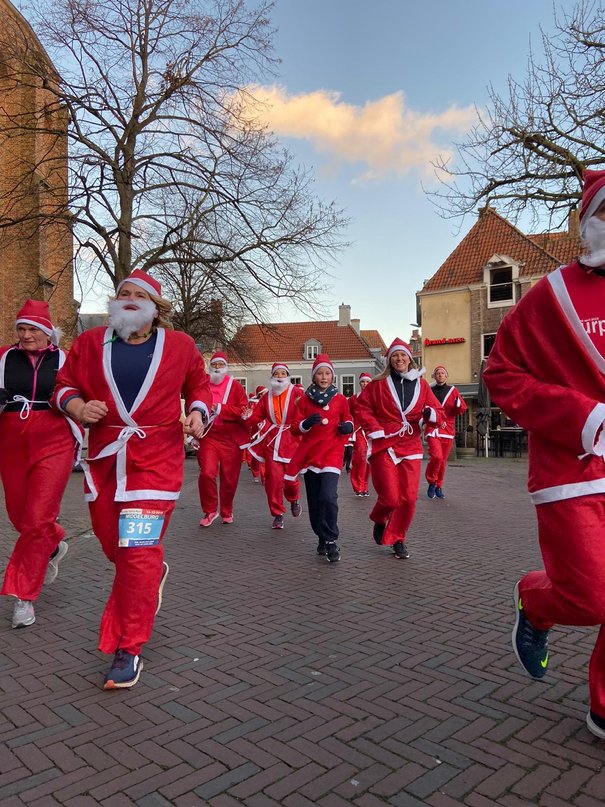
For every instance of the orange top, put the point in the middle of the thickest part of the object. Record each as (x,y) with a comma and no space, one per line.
(278,406)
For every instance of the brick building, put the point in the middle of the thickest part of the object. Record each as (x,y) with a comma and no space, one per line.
(462,305)
(36,250)
(351,350)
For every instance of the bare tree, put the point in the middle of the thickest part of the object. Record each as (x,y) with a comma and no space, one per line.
(529,147)
(151,92)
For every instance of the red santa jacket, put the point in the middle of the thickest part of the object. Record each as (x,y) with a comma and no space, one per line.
(358,434)
(390,428)
(226,421)
(269,438)
(145,443)
(321,448)
(452,405)
(547,375)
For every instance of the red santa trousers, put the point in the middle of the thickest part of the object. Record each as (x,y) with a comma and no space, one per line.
(360,468)
(276,487)
(439,451)
(36,461)
(218,456)
(571,589)
(128,618)
(397,489)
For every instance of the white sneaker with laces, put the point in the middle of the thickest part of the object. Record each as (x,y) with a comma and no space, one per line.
(23,615)
(52,570)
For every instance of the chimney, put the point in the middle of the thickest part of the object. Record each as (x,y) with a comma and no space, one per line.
(573,223)
(356,325)
(344,315)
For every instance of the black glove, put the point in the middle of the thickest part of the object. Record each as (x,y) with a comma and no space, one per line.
(345,428)
(312,420)
(3,397)
(426,412)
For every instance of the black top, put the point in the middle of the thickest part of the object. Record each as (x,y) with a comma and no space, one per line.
(33,378)
(404,387)
(440,391)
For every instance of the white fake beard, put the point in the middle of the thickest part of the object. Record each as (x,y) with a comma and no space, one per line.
(126,322)
(278,385)
(217,374)
(594,240)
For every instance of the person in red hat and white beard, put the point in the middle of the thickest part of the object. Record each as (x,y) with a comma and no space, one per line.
(274,444)
(440,440)
(390,410)
(37,457)
(360,467)
(547,372)
(324,425)
(125,381)
(220,449)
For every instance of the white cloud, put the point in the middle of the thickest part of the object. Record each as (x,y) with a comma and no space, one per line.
(384,137)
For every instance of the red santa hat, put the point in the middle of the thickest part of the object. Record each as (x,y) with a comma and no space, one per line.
(219,356)
(399,344)
(144,281)
(279,365)
(440,367)
(37,313)
(365,377)
(260,391)
(592,195)
(322,360)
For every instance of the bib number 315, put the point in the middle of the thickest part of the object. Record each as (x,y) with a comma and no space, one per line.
(139,527)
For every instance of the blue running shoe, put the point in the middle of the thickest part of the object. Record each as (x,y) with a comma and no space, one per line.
(596,725)
(431,491)
(125,671)
(439,493)
(529,643)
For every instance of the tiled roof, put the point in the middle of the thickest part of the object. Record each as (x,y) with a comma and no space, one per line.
(374,339)
(494,235)
(285,341)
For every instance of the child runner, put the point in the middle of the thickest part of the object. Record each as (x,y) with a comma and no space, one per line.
(324,422)
(360,470)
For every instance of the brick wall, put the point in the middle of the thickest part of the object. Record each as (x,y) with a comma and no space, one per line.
(36,253)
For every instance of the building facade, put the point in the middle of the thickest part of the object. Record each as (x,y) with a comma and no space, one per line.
(36,248)
(462,305)
(298,344)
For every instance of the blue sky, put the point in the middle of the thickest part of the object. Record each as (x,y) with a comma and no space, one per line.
(433,60)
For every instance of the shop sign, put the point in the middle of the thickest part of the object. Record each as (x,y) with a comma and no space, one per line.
(454,340)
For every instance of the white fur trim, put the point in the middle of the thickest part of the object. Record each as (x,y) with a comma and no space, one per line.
(591,209)
(594,422)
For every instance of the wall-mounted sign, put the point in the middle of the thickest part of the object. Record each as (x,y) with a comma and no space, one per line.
(454,340)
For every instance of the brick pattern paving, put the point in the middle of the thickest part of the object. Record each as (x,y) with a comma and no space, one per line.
(275,678)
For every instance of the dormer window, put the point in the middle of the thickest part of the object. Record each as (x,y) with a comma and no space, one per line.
(499,276)
(312,349)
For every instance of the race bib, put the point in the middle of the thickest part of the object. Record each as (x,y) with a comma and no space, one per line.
(139,527)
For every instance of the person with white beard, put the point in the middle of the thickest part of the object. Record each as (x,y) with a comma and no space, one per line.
(125,382)
(547,372)
(220,451)
(274,444)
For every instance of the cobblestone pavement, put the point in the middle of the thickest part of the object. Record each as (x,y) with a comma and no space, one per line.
(275,678)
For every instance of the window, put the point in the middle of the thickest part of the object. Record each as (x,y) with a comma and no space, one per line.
(243,382)
(347,385)
(311,352)
(488,343)
(501,289)
(296,379)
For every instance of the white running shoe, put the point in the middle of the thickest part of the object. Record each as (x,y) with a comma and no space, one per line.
(52,570)
(23,615)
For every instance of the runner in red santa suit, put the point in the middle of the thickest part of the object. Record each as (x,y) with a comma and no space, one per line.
(37,457)
(220,451)
(274,444)
(257,468)
(440,440)
(126,382)
(324,424)
(390,411)
(547,372)
(360,467)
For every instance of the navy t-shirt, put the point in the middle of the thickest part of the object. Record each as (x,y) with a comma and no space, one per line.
(129,365)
